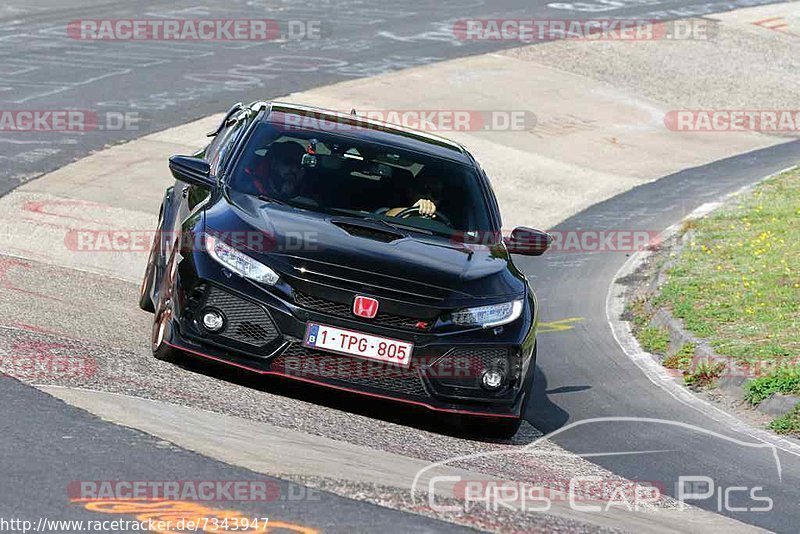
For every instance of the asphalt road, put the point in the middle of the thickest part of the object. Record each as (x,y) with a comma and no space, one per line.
(157,84)
(584,374)
(47,447)
(137,87)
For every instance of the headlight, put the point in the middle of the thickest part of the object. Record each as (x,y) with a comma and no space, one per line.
(489,316)
(239,263)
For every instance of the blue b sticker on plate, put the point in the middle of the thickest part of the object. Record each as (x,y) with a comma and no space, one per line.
(311,335)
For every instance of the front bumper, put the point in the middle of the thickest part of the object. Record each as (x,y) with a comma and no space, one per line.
(264,333)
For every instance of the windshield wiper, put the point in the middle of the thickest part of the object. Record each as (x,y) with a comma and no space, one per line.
(397,226)
(365,216)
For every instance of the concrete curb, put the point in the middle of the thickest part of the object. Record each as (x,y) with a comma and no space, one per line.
(650,364)
(290,454)
(731,381)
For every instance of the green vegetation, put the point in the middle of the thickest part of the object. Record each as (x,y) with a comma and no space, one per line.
(789,423)
(638,314)
(654,339)
(737,284)
(704,374)
(781,380)
(681,360)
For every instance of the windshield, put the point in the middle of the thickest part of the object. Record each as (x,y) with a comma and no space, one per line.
(336,174)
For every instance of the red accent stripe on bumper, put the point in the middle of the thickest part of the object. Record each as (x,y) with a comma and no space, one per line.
(340,388)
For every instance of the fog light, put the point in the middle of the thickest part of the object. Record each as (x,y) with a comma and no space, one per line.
(492,379)
(213,321)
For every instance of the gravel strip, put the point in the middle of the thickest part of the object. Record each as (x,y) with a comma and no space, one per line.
(688,74)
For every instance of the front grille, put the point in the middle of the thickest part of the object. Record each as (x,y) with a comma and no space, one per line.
(246,322)
(484,357)
(351,279)
(338,309)
(304,362)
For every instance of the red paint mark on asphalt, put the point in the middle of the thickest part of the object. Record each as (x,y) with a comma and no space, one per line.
(777,24)
(39,222)
(35,329)
(32,293)
(6,264)
(45,207)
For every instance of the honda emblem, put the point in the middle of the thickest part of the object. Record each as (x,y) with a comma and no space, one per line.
(365,307)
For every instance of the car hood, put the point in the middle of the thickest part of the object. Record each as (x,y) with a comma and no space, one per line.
(374,257)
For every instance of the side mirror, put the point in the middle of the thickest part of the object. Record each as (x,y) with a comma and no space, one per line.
(528,241)
(194,171)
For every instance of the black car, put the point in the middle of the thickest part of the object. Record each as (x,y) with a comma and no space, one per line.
(350,253)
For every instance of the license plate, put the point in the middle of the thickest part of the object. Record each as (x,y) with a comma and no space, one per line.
(352,343)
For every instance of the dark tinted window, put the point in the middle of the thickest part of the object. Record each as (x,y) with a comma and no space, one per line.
(323,171)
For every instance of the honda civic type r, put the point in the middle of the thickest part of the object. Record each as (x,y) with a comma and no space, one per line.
(349,253)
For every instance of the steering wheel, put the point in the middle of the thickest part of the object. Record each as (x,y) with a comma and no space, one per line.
(410,211)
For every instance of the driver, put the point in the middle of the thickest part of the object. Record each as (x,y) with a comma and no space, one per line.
(286,174)
(428,191)
(280,174)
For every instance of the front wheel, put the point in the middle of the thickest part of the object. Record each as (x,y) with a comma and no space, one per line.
(162,351)
(145,299)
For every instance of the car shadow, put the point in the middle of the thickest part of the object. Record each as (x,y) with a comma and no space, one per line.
(545,415)
(380,409)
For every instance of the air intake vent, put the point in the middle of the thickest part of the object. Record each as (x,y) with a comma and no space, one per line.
(368,232)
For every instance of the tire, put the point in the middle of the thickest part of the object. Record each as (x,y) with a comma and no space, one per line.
(145,302)
(162,351)
(165,353)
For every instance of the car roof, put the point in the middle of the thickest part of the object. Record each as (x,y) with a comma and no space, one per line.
(354,127)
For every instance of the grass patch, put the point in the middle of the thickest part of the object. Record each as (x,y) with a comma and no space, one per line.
(788,423)
(782,380)
(704,375)
(737,282)
(654,339)
(681,360)
(636,313)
